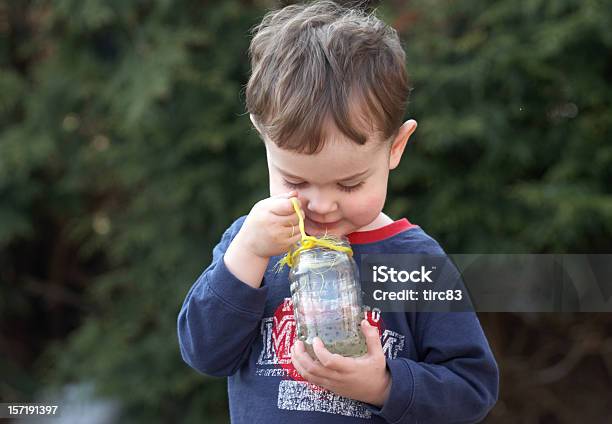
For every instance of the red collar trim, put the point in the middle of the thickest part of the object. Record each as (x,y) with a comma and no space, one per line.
(371,236)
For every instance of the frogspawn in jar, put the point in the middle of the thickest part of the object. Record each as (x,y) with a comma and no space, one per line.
(327,300)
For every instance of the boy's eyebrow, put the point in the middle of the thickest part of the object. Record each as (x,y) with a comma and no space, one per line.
(350,177)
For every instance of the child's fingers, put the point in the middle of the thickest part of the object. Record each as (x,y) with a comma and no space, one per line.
(372,337)
(291,230)
(301,207)
(286,220)
(311,370)
(287,227)
(282,206)
(295,238)
(331,361)
(304,371)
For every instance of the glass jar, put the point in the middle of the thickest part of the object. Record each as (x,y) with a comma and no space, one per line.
(327,300)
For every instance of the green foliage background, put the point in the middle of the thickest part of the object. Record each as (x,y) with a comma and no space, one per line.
(125,152)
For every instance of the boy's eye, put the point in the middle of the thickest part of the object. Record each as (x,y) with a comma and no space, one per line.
(293,185)
(349,188)
(346,188)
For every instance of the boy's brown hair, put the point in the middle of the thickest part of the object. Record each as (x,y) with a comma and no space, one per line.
(319,63)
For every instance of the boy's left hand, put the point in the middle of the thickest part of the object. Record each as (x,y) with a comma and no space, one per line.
(365,378)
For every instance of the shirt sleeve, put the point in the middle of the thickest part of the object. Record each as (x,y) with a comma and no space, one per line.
(457,380)
(220,316)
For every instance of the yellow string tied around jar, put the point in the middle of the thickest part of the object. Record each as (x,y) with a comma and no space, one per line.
(309,242)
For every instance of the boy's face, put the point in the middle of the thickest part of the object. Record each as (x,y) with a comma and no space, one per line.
(343,187)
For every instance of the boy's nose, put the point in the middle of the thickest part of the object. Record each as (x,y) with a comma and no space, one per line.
(321,205)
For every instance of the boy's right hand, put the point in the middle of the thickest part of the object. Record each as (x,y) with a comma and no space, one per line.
(271,227)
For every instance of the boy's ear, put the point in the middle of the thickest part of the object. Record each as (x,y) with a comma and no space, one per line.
(399,144)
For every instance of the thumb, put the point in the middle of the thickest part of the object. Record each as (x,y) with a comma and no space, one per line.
(372,338)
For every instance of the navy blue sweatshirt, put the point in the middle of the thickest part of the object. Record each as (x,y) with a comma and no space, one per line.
(442,368)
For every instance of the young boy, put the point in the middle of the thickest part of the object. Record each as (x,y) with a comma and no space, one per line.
(327,95)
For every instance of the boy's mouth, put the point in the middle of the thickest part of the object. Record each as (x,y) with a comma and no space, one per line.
(322,225)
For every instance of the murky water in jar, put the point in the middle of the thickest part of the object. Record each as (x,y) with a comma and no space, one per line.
(327,302)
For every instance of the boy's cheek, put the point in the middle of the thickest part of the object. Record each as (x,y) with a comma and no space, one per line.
(367,209)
